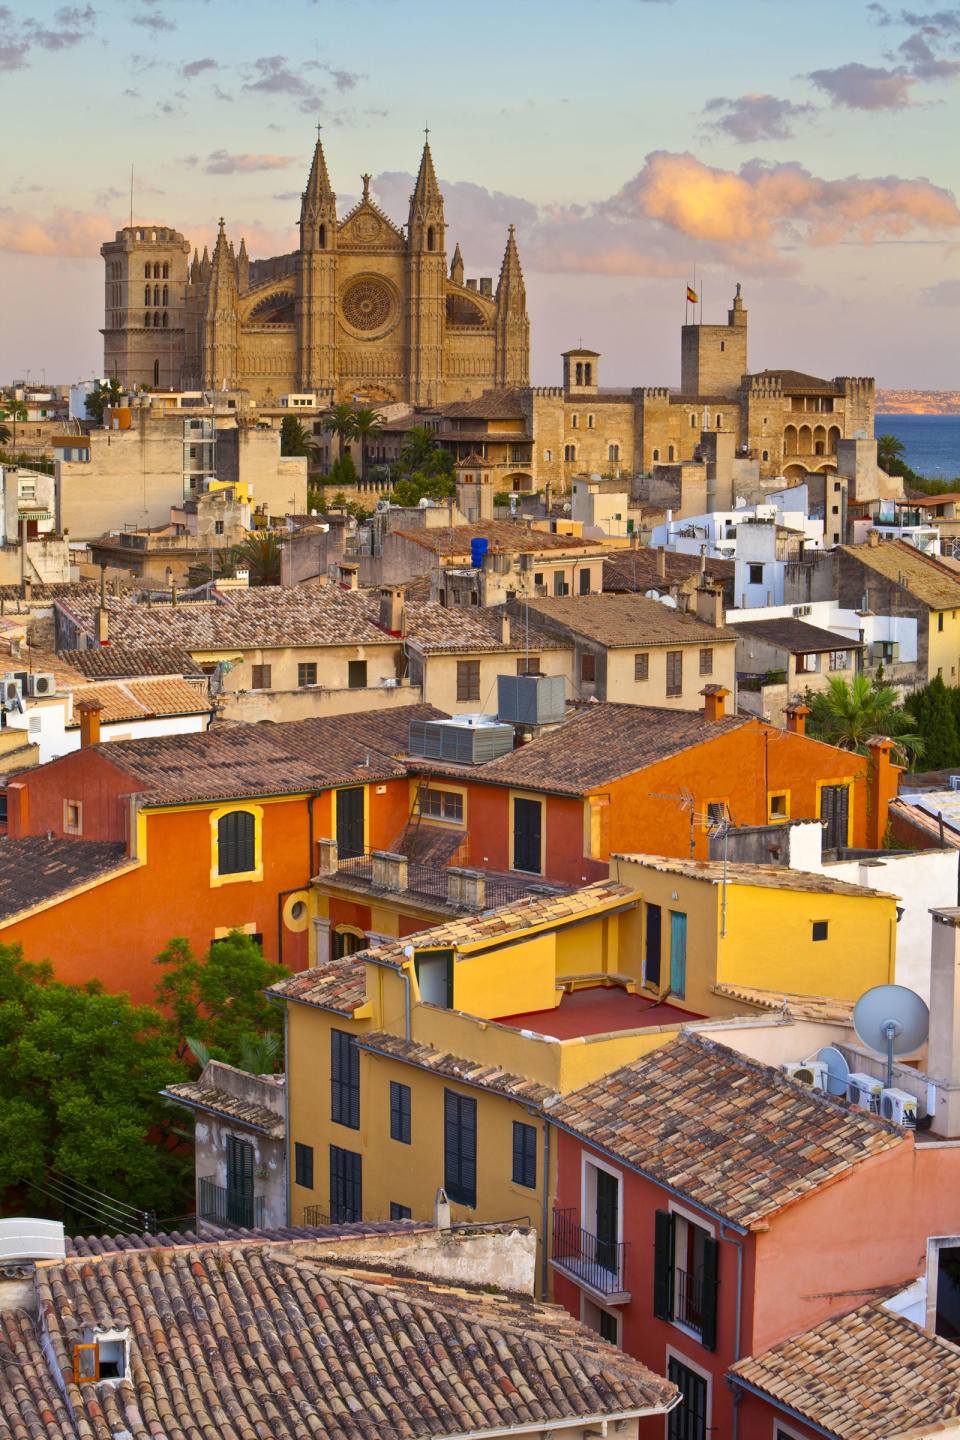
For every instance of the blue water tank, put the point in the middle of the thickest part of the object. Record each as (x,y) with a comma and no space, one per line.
(478,548)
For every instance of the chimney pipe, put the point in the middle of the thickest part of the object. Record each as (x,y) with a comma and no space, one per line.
(714,702)
(662,563)
(27,589)
(504,629)
(391,616)
(89,712)
(709,602)
(796,713)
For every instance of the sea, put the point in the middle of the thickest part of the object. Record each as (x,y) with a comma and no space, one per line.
(932,441)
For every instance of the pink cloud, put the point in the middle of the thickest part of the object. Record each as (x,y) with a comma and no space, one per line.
(65,232)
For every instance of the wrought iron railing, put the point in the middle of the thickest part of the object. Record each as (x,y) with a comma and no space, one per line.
(313,1215)
(229,1207)
(432,881)
(688,1299)
(598,1263)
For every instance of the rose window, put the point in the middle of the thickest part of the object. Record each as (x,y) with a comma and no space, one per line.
(367,305)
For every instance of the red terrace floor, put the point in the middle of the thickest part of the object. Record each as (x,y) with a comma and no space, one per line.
(594,1011)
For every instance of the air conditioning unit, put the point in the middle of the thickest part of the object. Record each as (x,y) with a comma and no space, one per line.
(11,693)
(41,683)
(864,1091)
(898,1106)
(808,1072)
(799,610)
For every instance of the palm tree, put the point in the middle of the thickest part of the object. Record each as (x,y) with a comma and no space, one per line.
(849,715)
(257,1054)
(419,447)
(4,434)
(889,448)
(12,410)
(367,425)
(260,554)
(340,423)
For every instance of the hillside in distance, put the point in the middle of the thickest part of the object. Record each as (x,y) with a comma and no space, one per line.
(918,402)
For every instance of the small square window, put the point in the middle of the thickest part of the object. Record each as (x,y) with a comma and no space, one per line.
(261,677)
(357,674)
(307,673)
(588,669)
(72,817)
(528,666)
(706,662)
(756,574)
(820,929)
(303,1165)
(778,807)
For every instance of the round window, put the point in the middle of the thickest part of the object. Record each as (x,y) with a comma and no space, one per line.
(298,909)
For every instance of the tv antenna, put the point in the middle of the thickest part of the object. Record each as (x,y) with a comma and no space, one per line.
(891,1020)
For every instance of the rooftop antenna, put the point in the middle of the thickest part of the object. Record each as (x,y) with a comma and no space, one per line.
(891,1019)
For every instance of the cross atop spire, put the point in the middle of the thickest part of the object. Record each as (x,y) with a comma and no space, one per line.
(318,194)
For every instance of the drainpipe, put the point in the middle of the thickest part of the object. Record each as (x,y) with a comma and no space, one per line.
(288,1143)
(546,1213)
(404,976)
(310,799)
(736,1392)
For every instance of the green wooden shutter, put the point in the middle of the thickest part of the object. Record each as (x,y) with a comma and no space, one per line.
(663,1266)
(708,1334)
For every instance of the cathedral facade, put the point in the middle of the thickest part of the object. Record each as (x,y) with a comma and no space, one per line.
(363,308)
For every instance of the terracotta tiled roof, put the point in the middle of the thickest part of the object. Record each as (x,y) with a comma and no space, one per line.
(734,1136)
(166,1240)
(922,575)
(628,620)
(866,1376)
(504,535)
(266,1340)
(796,380)
(805,1007)
(598,745)
(796,636)
(267,758)
(456,1067)
(196,1095)
(116,662)
(767,877)
(41,591)
(339,985)
(501,404)
(432,627)
(637,569)
(140,700)
(34,869)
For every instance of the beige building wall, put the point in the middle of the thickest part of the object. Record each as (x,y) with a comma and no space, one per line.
(332,662)
(440,673)
(624,687)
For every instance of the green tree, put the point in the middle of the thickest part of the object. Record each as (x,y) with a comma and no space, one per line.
(934,709)
(419,447)
(292,439)
(340,423)
(80,1075)
(889,448)
(218,998)
(410,489)
(260,554)
(849,715)
(367,425)
(100,397)
(4,434)
(343,471)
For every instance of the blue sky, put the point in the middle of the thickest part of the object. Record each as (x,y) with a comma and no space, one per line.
(808,152)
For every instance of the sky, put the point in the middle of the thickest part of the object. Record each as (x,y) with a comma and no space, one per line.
(808,152)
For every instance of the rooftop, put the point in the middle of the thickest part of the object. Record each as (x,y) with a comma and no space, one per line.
(268,1340)
(922,575)
(499,404)
(119,662)
(456,1067)
(865,1376)
(504,535)
(767,877)
(34,869)
(231,1093)
(638,569)
(796,380)
(801,1007)
(596,1011)
(796,636)
(734,1136)
(629,620)
(140,700)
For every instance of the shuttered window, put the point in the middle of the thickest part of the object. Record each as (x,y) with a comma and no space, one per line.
(460,1148)
(399,1112)
(641,666)
(303,1165)
(261,677)
(588,669)
(674,672)
(706,661)
(346,1186)
(399,1212)
(685,1277)
(468,679)
(524,1155)
(344,1079)
(236,843)
(688,1420)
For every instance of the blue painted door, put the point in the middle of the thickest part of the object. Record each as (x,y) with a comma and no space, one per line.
(678,953)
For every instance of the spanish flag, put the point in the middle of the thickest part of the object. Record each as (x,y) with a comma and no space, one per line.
(692,296)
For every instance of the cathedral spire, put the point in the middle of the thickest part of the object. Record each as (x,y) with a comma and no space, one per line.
(318,196)
(511,275)
(426,193)
(223,270)
(425,226)
(456,266)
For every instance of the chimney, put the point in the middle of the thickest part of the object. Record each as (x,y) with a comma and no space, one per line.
(27,589)
(873,537)
(89,712)
(391,610)
(882,784)
(504,629)
(796,713)
(714,702)
(103,626)
(709,604)
(173,593)
(662,563)
(703,560)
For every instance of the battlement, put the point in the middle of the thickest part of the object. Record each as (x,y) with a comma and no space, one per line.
(550,392)
(763,387)
(862,385)
(132,236)
(651,392)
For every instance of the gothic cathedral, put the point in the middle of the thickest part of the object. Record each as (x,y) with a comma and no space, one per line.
(361,309)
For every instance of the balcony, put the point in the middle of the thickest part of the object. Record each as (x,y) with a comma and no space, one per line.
(220,1206)
(688,1299)
(596,1265)
(313,1215)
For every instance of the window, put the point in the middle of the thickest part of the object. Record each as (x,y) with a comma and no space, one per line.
(688,1420)
(560,586)
(468,679)
(613,452)
(357,674)
(218,527)
(236,843)
(399,1212)
(460,1148)
(3,807)
(569,452)
(651,962)
(442,805)
(674,672)
(347,942)
(435,977)
(588,669)
(604,1322)
(350,835)
(779,808)
(524,1155)
(756,574)
(834,812)
(717,812)
(527,835)
(548,454)
(400,1112)
(528,666)
(538,577)
(656,455)
(838,660)
(307,673)
(706,661)
(573,422)
(166,272)
(146,272)
(670,453)
(303,1165)
(820,929)
(765,455)
(641,666)
(685,1276)
(344,1079)
(346,1186)
(239,1181)
(584,582)
(808,664)
(261,677)
(693,422)
(146,295)
(940,621)
(72,817)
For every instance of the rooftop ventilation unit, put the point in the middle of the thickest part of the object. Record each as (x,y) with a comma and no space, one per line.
(808,1072)
(464,739)
(900,1107)
(864,1091)
(24,1238)
(531,699)
(41,683)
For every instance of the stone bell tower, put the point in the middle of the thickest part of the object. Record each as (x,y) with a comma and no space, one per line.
(145,281)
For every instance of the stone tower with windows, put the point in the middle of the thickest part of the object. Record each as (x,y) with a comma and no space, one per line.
(317,282)
(512,360)
(714,357)
(143,323)
(426,286)
(220,349)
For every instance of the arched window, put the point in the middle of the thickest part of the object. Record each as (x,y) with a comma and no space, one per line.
(670,453)
(164,319)
(146,272)
(166,271)
(693,422)
(156,272)
(613,452)
(146,294)
(719,420)
(165,292)
(765,455)
(156,320)
(580,373)
(588,374)
(656,456)
(146,319)
(236,843)
(156,370)
(429,237)
(322,237)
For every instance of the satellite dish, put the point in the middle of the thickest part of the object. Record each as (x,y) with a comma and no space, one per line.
(838,1070)
(892,1020)
(668,600)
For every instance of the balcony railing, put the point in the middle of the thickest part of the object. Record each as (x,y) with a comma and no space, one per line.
(313,1215)
(595,1262)
(434,883)
(229,1207)
(688,1300)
